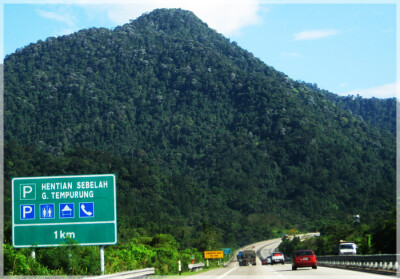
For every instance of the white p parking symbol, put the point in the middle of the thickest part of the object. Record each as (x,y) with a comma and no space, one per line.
(28,191)
(27,212)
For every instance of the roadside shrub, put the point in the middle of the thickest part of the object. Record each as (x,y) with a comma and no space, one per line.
(20,262)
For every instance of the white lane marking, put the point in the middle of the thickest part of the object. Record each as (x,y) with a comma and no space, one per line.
(223,275)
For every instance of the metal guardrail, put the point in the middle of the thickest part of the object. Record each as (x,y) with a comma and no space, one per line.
(368,262)
(142,273)
(198,266)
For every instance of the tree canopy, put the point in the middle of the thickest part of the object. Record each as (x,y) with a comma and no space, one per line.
(198,130)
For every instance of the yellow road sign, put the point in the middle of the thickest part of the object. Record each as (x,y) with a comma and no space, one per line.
(213,254)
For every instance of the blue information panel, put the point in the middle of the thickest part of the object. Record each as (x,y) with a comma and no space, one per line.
(50,211)
(227,251)
(67,210)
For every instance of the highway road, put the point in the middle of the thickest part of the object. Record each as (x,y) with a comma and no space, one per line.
(278,271)
(283,271)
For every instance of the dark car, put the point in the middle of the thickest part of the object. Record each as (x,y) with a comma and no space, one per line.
(304,258)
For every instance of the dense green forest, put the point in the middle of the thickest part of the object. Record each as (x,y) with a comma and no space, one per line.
(202,135)
(379,112)
(379,238)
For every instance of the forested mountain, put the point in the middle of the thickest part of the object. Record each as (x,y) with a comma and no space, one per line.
(379,112)
(200,128)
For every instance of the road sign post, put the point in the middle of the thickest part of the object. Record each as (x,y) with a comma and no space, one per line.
(101,248)
(50,211)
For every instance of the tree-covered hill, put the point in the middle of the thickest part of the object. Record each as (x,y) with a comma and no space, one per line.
(379,112)
(240,145)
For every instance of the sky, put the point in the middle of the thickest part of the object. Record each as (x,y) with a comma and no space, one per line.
(345,47)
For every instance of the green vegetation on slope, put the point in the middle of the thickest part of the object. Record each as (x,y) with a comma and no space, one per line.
(160,251)
(199,132)
(379,238)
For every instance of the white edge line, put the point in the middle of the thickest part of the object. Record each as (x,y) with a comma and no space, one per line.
(223,275)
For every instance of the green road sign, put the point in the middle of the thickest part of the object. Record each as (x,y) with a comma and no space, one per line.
(227,251)
(48,211)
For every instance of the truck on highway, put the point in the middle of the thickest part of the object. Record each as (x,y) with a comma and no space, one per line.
(247,257)
(347,248)
(239,257)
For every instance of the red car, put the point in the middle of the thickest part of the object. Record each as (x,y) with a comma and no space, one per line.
(304,258)
(266,261)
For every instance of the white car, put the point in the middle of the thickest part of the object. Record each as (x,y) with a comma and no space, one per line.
(347,248)
(277,257)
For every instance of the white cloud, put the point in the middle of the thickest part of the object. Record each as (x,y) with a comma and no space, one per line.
(122,13)
(63,18)
(63,15)
(315,34)
(382,92)
(292,55)
(225,16)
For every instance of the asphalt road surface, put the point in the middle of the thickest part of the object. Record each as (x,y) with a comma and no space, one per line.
(283,271)
(278,271)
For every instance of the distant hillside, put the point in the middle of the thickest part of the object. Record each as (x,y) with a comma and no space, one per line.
(257,149)
(379,112)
